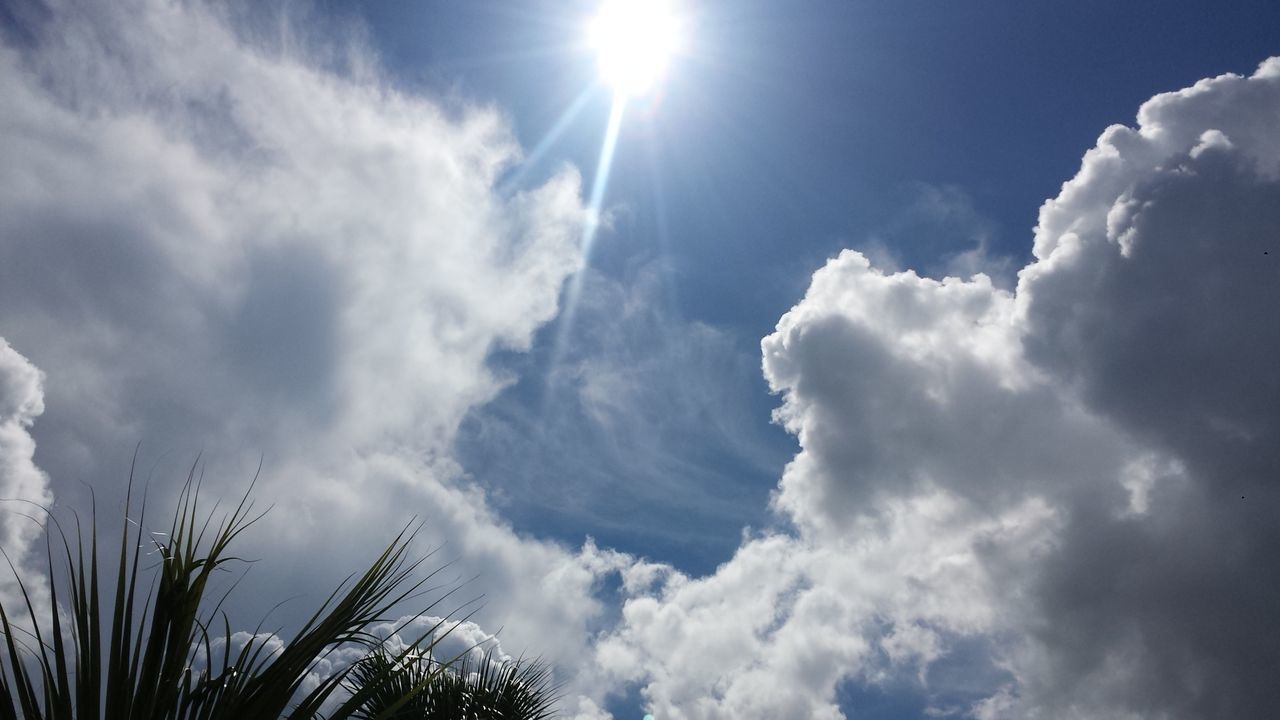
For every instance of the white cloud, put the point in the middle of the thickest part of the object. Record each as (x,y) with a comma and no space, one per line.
(776,629)
(895,384)
(1081,473)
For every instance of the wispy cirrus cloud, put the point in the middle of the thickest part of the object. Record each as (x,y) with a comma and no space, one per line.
(642,434)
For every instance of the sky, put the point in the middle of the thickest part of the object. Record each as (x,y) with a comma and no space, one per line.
(882,360)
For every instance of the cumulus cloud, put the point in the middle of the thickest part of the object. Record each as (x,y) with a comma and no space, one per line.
(1152,297)
(896,383)
(777,630)
(1076,477)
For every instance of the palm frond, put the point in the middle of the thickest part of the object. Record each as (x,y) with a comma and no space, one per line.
(159,658)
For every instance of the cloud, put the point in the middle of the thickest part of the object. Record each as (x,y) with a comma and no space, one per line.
(896,384)
(777,629)
(24,487)
(1048,501)
(215,238)
(1151,297)
(1067,489)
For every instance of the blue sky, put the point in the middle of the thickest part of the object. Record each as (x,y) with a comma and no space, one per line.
(787,134)
(914,372)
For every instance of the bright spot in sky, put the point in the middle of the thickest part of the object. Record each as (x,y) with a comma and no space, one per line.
(634,41)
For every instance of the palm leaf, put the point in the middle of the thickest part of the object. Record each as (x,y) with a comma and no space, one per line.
(419,687)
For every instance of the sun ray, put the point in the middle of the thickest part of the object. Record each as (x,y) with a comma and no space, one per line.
(634,41)
(590,228)
(548,141)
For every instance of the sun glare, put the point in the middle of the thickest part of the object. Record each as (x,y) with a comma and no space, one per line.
(634,41)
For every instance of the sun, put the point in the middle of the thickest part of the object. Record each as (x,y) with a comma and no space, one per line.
(634,41)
